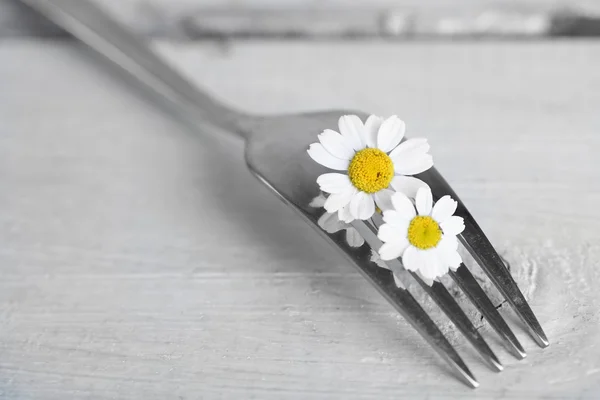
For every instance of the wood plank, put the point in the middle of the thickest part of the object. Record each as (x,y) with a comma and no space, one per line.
(139,259)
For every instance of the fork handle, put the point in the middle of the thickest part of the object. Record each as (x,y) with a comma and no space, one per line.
(97,29)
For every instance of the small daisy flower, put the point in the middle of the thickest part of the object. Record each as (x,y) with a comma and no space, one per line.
(331,223)
(373,162)
(425,237)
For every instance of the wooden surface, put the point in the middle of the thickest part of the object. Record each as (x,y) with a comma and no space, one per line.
(140,260)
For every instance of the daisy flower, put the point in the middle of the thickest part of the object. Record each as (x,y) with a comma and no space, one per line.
(425,237)
(371,161)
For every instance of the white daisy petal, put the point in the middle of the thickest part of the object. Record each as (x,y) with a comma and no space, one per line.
(407,185)
(372,126)
(454,261)
(411,259)
(330,223)
(410,148)
(336,201)
(398,282)
(450,257)
(453,225)
(362,206)
(428,281)
(424,201)
(383,199)
(377,260)
(353,238)
(391,234)
(318,201)
(396,219)
(412,165)
(442,264)
(318,153)
(344,214)
(442,270)
(403,206)
(334,182)
(352,128)
(390,251)
(431,266)
(390,133)
(448,241)
(443,209)
(336,144)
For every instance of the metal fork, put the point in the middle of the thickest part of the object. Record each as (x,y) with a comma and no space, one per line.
(276,154)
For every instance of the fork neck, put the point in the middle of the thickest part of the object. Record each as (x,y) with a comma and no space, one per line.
(205,112)
(93,26)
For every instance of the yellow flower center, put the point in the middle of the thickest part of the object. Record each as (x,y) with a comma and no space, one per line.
(424,233)
(371,170)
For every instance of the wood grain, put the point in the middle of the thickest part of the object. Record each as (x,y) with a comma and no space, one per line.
(139,259)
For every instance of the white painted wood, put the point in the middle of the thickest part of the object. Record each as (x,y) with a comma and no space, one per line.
(140,260)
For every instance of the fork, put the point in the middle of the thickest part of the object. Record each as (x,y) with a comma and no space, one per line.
(276,155)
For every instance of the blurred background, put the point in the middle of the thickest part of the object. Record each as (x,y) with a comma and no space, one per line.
(343,19)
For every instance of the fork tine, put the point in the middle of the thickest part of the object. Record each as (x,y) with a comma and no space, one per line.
(484,253)
(401,299)
(407,306)
(410,309)
(475,293)
(450,307)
